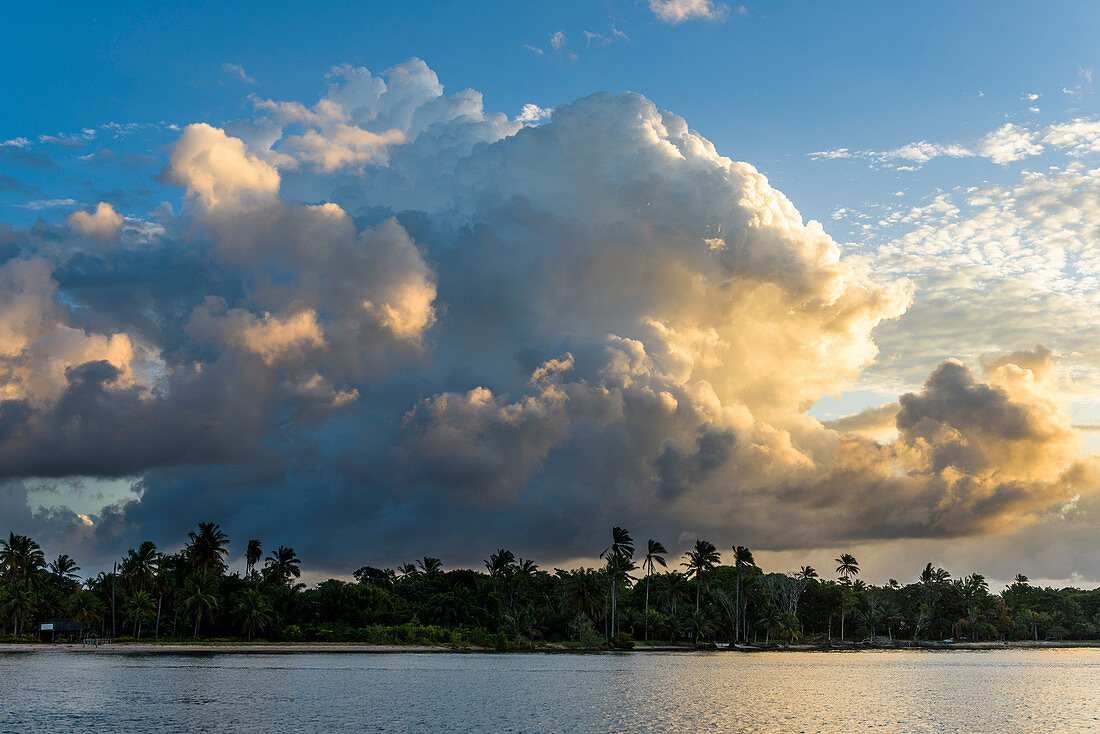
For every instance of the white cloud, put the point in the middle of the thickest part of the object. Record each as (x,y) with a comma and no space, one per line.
(237,72)
(103,223)
(531,114)
(677,11)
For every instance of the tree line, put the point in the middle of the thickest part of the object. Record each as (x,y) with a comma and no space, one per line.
(638,593)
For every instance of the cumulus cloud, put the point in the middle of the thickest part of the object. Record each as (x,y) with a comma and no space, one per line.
(677,11)
(103,223)
(434,322)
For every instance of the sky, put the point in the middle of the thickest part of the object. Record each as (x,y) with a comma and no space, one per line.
(385,280)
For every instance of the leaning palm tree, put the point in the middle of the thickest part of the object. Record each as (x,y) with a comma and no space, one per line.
(654,556)
(254,611)
(700,561)
(283,564)
(252,555)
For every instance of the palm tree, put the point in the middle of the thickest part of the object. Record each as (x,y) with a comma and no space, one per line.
(654,555)
(619,566)
(806,573)
(139,566)
(18,604)
(85,609)
(254,611)
(283,564)
(701,560)
(499,563)
(848,567)
(430,566)
(199,601)
(140,607)
(252,555)
(208,548)
(742,557)
(63,570)
(20,558)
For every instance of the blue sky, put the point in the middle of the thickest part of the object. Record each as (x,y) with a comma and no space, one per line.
(950,150)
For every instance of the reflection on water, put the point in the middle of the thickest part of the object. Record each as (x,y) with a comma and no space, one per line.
(1002,691)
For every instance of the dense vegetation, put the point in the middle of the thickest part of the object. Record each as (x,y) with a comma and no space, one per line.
(635,594)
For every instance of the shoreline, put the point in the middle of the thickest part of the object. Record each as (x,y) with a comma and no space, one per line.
(298,648)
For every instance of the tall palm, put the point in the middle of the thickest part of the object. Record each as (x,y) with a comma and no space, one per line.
(139,567)
(619,565)
(654,556)
(848,568)
(208,548)
(742,557)
(254,611)
(252,555)
(283,564)
(21,558)
(63,570)
(700,562)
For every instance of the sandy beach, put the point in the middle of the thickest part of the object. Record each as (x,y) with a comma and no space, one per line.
(282,649)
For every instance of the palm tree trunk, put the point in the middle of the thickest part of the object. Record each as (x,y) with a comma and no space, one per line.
(156,631)
(842,626)
(737,610)
(647,607)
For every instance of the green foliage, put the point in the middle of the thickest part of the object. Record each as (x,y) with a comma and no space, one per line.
(513,604)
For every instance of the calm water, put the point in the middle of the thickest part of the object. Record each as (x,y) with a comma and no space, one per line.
(896,691)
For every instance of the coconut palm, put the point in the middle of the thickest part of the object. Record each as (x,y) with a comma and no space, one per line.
(700,561)
(63,571)
(848,568)
(208,548)
(254,612)
(86,609)
(430,566)
(18,604)
(619,565)
(199,601)
(654,556)
(139,567)
(139,607)
(742,557)
(806,573)
(21,558)
(498,563)
(283,564)
(252,555)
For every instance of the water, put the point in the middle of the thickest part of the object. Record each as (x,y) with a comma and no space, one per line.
(1001,692)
